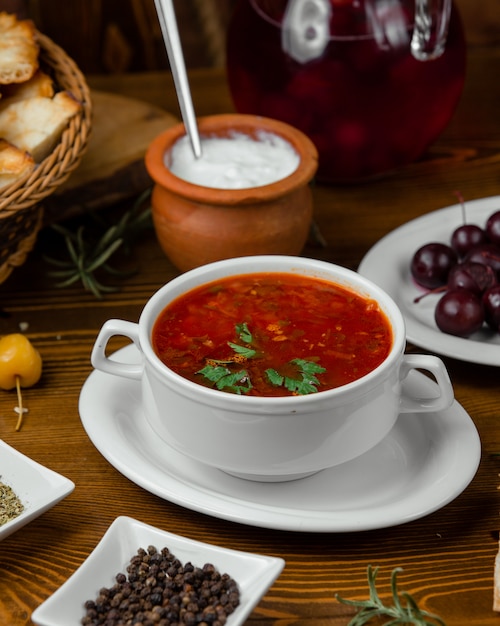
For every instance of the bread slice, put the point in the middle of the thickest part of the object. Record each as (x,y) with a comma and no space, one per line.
(35,124)
(14,163)
(40,84)
(18,49)
(496,583)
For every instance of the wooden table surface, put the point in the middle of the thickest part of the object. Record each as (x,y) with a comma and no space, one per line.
(447,556)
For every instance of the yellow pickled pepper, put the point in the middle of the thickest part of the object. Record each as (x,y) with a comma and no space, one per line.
(20,366)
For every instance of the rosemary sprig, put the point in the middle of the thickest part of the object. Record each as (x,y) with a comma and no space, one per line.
(404,611)
(86,256)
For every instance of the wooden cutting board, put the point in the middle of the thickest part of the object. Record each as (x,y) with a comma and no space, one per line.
(112,169)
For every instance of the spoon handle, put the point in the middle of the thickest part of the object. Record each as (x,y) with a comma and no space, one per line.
(170,32)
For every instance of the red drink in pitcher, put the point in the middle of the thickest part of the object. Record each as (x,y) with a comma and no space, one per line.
(357,91)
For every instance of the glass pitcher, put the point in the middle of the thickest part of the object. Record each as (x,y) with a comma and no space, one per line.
(371,82)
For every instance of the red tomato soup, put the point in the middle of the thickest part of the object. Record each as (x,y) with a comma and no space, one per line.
(272,334)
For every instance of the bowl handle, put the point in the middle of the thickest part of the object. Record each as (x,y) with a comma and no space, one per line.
(104,363)
(436,367)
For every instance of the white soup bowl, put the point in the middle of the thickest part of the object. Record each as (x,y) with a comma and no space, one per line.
(273,438)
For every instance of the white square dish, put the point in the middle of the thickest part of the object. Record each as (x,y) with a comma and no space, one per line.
(253,573)
(38,487)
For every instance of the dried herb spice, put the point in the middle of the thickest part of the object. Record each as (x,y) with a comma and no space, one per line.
(10,504)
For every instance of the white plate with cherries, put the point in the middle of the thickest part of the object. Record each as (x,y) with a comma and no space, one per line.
(443,271)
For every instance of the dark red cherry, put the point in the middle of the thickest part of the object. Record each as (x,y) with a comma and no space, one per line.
(491,303)
(474,277)
(466,237)
(459,312)
(492,228)
(431,264)
(487,254)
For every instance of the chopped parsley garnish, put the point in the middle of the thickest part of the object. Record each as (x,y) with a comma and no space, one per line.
(219,372)
(223,378)
(305,384)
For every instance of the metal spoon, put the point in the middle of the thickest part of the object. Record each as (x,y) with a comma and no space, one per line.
(170,32)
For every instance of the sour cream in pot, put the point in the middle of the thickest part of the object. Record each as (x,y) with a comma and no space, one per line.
(234,162)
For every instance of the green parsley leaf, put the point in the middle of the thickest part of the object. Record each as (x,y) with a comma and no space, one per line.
(243,332)
(248,353)
(305,384)
(308,367)
(274,377)
(237,382)
(301,387)
(214,373)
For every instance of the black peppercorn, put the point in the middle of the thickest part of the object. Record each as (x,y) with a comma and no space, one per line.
(160,591)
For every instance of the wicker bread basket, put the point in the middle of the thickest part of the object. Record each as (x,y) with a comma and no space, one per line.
(21,211)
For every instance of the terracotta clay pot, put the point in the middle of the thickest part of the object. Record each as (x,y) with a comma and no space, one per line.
(196,225)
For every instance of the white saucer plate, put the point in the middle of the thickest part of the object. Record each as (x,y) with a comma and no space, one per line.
(387,264)
(37,487)
(425,462)
(254,573)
